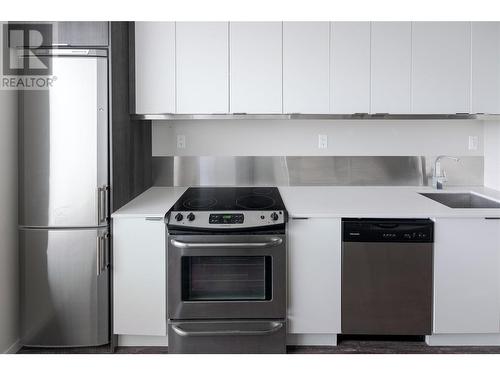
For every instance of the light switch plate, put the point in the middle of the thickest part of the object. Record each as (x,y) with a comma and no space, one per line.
(322,141)
(473,141)
(181,141)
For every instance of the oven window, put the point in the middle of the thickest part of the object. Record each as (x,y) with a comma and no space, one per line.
(226,278)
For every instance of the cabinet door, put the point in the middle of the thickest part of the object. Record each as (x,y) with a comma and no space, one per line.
(154,67)
(306,67)
(466,276)
(390,67)
(314,276)
(256,67)
(441,67)
(485,67)
(139,277)
(202,67)
(350,67)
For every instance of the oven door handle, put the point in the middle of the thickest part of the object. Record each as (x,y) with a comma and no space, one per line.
(275,326)
(275,241)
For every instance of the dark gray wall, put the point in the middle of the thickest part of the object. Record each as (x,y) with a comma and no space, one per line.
(130,139)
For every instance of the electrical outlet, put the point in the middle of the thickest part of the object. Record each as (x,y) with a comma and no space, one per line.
(473,141)
(322,141)
(181,141)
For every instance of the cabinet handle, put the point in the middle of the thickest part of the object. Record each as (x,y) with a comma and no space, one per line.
(300,218)
(492,218)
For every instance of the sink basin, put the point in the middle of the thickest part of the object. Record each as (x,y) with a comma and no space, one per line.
(462,200)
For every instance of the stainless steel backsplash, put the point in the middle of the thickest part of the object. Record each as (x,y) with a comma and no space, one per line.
(312,170)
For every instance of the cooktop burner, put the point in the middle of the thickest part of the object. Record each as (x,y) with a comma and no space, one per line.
(263,190)
(255,202)
(229,199)
(199,203)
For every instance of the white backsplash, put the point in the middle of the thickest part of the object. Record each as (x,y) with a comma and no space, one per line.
(300,137)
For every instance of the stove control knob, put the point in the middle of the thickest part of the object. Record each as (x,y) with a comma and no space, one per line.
(190,217)
(179,217)
(274,216)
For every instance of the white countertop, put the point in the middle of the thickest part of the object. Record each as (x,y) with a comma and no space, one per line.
(332,201)
(154,202)
(377,202)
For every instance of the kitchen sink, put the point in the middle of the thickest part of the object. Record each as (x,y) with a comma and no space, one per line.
(462,200)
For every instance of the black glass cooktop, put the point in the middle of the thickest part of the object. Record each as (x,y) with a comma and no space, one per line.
(230,199)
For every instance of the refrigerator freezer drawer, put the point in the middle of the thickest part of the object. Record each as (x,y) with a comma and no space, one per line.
(64,287)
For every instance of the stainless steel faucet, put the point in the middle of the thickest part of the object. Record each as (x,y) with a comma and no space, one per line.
(439,175)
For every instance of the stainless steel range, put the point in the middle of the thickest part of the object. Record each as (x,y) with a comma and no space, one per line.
(227,271)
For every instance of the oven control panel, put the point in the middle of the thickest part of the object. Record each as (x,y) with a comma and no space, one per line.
(226,219)
(221,219)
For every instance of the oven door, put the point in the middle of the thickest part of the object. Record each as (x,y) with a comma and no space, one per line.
(226,277)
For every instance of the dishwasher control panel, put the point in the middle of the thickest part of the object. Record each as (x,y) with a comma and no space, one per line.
(388,230)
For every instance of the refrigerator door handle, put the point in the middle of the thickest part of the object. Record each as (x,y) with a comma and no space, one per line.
(99,205)
(102,204)
(100,254)
(106,252)
(106,204)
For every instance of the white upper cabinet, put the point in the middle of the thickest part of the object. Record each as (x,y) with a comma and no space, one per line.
(306,67)
(350,67)
(154,67)
(202,67)
(466,276)
(256,67)
(390,67)
(485,67)
(441,67)
(317,67)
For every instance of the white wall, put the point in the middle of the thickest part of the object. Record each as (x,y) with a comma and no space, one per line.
(300,137)
(9,306)
(492,154)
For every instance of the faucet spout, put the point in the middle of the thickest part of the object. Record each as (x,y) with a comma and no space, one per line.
(439,176)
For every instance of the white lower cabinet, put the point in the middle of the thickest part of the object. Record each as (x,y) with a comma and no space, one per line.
(314,276)
(467,276)
(139,277)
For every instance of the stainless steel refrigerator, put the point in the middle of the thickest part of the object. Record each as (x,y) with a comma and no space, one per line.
(63,203)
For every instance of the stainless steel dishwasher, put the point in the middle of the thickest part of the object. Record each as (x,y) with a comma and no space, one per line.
(387,268)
